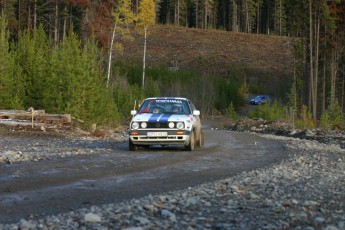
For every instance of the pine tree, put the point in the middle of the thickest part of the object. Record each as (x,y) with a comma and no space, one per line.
(95,101)
(71,71)
(32,54)
(53,93)
(11,86)
(78,83)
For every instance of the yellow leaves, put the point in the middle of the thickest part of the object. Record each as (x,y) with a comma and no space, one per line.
(123,14)
(147,13)
(118,47)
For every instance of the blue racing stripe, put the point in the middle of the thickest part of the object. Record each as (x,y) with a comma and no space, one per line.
(164,118)
(154,117)
(158,117)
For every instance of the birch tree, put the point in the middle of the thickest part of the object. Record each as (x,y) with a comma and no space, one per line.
(146,18)
(123,16)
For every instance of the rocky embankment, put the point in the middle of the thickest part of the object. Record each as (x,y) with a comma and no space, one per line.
(280,128)
(305,191)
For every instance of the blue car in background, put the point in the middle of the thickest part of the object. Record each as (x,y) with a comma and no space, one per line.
(260,99)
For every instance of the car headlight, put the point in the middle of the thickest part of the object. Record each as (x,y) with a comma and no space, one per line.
(180,125)
(171,125)
(143,125)
(135,125)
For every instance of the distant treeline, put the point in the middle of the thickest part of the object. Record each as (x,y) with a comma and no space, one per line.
(71,78)
(318,26)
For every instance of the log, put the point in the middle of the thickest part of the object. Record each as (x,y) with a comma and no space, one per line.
(15,114)
(20,123)
(55,118)
(33,117)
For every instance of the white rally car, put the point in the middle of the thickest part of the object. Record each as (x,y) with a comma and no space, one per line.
(166,121)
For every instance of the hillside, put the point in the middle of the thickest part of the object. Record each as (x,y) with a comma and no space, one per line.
(261,59)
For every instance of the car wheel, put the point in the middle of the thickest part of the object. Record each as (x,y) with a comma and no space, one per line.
(131,146)
(191,144)
(200,141)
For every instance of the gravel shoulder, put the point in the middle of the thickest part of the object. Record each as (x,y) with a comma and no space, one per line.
(303,191)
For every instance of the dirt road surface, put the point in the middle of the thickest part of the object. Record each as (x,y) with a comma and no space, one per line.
(106,172)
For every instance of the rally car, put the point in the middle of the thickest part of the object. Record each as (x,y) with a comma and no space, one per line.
(166,121)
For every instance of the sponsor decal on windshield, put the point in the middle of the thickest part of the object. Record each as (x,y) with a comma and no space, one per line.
(169,101)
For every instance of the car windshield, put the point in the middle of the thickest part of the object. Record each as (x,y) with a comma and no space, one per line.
(171,106)
(261,98)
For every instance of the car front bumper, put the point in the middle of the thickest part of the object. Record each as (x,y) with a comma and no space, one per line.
(173,137)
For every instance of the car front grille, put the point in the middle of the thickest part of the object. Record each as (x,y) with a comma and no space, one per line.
(157,125)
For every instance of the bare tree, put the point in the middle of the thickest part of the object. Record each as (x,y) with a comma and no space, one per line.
(206,12)
(56,23)
(177,12)
(311,62)
(334,71)
(234,16)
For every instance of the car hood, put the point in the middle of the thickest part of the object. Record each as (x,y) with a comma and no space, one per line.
(156,117)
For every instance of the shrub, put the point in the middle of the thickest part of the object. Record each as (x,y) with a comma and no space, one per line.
(305,120)
(333,118)
(232,113)
(268,112)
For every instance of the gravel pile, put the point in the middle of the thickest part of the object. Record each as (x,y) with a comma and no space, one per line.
(280,128)
(307,191)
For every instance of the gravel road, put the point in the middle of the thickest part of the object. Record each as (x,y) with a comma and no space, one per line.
(305,190)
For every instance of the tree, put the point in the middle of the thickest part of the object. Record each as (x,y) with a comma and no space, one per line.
(122,17)
(4,74)
(11,89)
(31,56)
(234,18)
(146,18)
(8,11)
(279,17)
(337,9)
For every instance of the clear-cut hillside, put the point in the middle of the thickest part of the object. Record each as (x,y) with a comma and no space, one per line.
(267,59)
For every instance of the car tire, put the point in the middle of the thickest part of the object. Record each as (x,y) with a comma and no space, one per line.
(190,146)
(200,141)
(131,146)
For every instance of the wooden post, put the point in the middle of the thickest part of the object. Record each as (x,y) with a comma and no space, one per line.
(31,109)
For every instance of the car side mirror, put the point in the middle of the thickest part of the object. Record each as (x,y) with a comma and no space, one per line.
(133,112)
(196,112)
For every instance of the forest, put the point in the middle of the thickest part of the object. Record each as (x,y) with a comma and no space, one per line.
(59,54)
